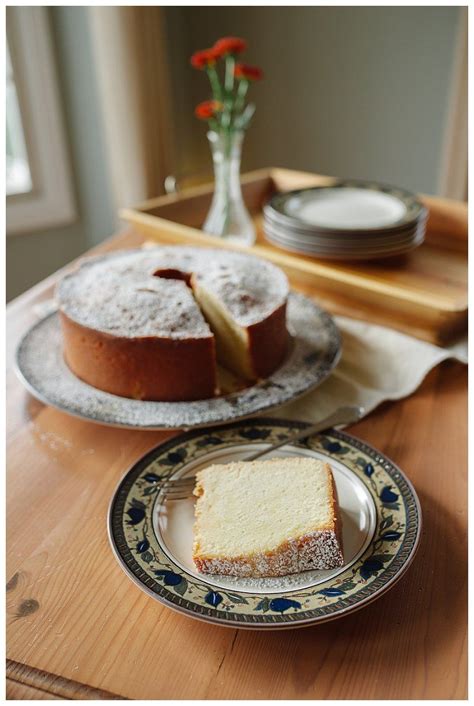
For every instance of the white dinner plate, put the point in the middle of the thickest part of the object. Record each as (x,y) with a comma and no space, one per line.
(349,205)
(348,208)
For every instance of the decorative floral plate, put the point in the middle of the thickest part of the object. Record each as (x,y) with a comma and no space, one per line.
(314,350)
(152,538)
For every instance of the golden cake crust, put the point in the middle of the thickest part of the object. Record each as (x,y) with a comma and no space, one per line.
(313,551)
(149,368)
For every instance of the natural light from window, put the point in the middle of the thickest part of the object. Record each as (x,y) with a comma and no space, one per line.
(18,177)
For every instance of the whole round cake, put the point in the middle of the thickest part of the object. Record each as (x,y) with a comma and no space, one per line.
(152,324)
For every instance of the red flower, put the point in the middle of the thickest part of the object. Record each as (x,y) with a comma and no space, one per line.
(207,109)
(205,57)
(229,45)
(249,73)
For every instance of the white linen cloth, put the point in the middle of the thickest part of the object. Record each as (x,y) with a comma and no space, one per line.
(377,364)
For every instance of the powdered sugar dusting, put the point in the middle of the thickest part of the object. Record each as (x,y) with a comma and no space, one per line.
(318,550)
(250,288)
(119,294)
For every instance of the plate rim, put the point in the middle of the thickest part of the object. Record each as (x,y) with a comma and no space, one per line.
(263,625)
(333,240)
(349,236)
(356,247)
(344,257)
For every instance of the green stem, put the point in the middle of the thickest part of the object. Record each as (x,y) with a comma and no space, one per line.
(227,167)
(228,88)
(229,73)
(241,93)
(245,118)
(215,83)
(226,116)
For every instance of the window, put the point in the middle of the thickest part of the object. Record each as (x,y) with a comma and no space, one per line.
(18,177)
(38,181)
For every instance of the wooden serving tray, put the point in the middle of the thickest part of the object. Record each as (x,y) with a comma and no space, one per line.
(423,293)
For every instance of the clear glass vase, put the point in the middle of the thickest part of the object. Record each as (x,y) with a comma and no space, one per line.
(228,217)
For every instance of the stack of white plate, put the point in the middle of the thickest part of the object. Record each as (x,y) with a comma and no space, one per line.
(348,220)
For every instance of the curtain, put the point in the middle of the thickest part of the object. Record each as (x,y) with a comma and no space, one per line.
(454,166)
(130,51)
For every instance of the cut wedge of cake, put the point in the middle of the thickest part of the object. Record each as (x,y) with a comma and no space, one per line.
(266,518)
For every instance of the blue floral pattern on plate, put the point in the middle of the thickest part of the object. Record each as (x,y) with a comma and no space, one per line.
(384,560)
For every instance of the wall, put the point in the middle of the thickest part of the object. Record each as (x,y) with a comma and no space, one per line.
(348,91)
(33,256)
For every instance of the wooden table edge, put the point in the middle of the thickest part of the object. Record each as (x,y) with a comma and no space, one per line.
(53,684)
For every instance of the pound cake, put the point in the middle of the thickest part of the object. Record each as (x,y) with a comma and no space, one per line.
(266,518)
(151,324)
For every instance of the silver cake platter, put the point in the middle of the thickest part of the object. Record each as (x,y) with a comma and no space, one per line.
(314,351)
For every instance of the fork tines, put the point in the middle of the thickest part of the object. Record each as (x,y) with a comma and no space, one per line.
(178,489)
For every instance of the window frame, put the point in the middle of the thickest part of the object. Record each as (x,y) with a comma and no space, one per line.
(50,203)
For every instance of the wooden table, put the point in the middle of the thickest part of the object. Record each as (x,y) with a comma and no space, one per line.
(79,628)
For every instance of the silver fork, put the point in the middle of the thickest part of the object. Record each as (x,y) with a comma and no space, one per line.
(182,488)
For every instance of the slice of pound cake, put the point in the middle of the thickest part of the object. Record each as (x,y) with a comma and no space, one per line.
(266,518)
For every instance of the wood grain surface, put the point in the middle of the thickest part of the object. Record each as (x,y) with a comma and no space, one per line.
(77,627)
(24,682)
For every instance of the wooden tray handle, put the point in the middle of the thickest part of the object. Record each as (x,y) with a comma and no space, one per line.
(447,219)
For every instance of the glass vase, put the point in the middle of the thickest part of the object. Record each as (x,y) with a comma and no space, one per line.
(228,217)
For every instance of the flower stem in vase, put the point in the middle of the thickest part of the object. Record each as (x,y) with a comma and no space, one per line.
(240,99)
(229,73)
(227,117)
(215,83)
(228,216)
